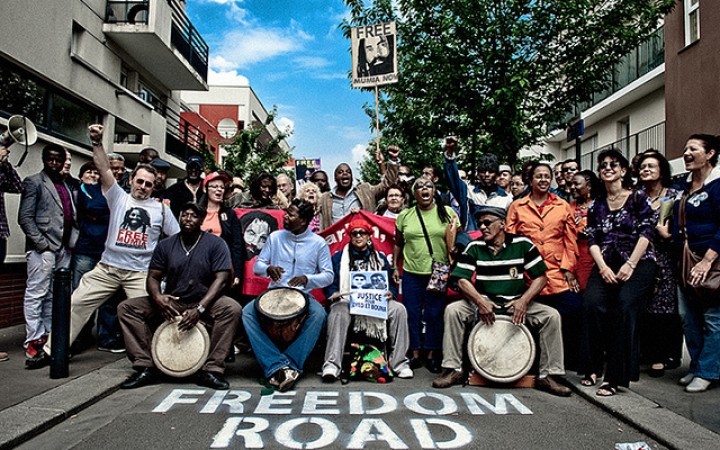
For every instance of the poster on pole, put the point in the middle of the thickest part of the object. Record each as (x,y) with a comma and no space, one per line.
(374,55)
(304,168)
(367,294)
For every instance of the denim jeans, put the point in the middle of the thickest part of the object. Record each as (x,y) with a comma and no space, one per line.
(422,305)
(271,358)
(702,335)
(39,293)
(108,327)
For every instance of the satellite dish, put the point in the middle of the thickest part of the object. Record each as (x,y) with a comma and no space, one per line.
(227,128)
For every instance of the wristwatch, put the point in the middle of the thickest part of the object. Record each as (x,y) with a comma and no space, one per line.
(200,308)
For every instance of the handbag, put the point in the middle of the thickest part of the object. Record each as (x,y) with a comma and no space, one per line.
(440,271)
(709,289)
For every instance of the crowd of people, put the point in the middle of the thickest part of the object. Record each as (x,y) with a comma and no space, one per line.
(611,269)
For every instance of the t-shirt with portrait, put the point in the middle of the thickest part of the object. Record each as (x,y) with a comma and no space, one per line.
(188,275)
(134,230)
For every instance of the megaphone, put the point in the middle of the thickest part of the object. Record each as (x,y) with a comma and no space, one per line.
(20,130)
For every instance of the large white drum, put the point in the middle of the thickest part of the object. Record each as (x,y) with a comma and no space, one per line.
(180,353)
(501,352)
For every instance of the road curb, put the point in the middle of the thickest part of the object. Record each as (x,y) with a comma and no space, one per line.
(26,420)
(666,427)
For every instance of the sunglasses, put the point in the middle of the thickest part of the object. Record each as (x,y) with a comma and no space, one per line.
(357,233)
(147,184)
(487,223)
(569,169)
(610,165)
(424,185)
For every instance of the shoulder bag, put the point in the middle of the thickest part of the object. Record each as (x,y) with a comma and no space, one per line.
(709,289)
(440,271)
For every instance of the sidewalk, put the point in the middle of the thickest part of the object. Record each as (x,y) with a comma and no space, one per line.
(30,402)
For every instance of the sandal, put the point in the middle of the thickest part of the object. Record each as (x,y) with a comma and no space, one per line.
(606,390)
(589,380)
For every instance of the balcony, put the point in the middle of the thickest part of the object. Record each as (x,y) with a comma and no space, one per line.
(158,35)
(182,139)
(653,137)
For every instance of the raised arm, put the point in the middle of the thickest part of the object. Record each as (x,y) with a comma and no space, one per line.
(100,157)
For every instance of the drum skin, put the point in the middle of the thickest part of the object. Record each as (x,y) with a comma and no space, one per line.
(180,353)
(501,352)
(282,313)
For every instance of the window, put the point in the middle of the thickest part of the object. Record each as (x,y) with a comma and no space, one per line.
(692,21)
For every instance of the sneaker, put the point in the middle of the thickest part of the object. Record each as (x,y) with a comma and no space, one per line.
(698,385)
(4,356)
(33,348)
(329,375)
(405,373)
(449,378)
(112,347)
(276,378)
(290,378)
(550,385)
(684,381)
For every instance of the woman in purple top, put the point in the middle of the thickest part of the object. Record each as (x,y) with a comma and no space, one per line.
(620,227)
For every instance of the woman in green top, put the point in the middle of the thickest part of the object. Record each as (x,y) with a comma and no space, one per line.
(411,247)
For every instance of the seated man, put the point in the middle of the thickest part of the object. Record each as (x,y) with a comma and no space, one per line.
(499,260)
(196,268)
(298,258)
(360,255)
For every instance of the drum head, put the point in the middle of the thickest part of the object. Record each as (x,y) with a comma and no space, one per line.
(282,303)
(180,353)
(501,352)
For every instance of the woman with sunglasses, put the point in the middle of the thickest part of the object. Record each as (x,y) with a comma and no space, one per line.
(360,255)
(427,221)
(621,225)
(549,222)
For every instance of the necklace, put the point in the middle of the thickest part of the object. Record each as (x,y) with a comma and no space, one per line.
(187,252)
(612,198)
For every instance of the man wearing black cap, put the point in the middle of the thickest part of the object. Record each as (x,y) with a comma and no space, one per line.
(187,189)
(163,167)
(500,262)
(196,268)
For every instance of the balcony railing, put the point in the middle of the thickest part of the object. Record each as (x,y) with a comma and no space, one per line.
(652,137)
(187,40)
(118,11)
(183,139)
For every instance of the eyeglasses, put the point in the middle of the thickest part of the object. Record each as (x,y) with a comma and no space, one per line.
(569,169)
(421,185)
(611,165)
(404,174)
(147,184)
(487,223)
(214,186)
(357,233)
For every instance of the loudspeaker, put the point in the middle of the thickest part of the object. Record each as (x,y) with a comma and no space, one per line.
(20,130)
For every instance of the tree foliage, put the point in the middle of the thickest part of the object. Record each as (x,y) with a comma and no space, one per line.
(256,150)
(495,73)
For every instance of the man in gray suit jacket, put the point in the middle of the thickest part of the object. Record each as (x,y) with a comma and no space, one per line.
(47,217)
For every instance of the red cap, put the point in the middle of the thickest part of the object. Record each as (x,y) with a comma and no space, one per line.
(214,176)
(360,223)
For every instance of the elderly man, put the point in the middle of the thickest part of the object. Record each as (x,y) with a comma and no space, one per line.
(499,262)
(286,186)
(196,269)
(47,215)
(124,262)
(298,258)
(344,197)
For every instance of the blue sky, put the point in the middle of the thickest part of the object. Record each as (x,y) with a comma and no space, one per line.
(294,56)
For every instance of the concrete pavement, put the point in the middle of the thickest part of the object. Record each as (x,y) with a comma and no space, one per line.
(30,402)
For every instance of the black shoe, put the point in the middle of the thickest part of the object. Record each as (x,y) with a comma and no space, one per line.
(144,377)
(415,363)
(40,360)
(112,347)
(211,380)
(434,365)
(230,358)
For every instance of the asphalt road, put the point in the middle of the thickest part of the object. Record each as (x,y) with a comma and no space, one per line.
(403,414)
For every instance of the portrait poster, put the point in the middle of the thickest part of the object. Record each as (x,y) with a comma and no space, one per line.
(367,294)
(256,225)
(374,55)
(304,168)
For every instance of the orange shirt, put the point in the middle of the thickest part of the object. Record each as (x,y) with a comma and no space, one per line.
(212,223)
(552,231)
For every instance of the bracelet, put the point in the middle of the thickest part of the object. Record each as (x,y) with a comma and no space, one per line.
(96,143)
(393,268)
(631,264)
(602,271)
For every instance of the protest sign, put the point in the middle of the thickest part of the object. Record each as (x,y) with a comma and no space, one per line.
(374,55)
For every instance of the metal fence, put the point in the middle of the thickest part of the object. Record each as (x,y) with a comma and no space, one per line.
(652,137)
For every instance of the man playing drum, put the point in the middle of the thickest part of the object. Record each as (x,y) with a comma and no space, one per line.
(196,268)
(499,260)
(298,258)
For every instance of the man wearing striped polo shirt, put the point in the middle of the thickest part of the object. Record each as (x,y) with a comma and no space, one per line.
(501,261)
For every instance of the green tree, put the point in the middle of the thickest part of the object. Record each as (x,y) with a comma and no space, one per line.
(495,73)
(256,150)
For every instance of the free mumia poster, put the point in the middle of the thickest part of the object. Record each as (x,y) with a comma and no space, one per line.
(374,55)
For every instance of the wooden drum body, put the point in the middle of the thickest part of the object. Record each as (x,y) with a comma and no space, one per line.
(282,313)
(501,352)
(180,353)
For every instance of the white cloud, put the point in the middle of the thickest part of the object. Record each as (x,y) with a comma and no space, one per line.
(286,125)
(358,153)
(227,78)
(311,62)
(242,48)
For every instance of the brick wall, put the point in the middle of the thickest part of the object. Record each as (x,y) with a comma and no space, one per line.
(12,289)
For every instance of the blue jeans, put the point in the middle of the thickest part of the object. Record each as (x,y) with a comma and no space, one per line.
(108,327)
(416,297)
(702,335)
(271,359)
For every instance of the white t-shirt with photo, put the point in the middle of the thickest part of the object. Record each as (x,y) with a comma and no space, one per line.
(134,230)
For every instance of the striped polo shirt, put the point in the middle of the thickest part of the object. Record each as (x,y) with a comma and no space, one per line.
(500,276)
